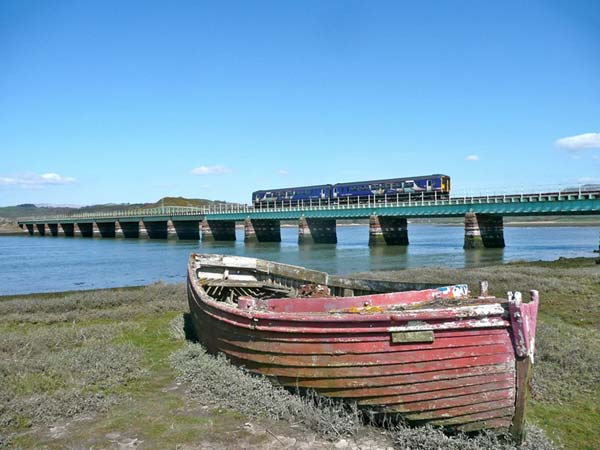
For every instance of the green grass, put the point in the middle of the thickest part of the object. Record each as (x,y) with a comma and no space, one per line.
(574,423)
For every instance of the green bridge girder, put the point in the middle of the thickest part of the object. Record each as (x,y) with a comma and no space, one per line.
(526,208)
(529,206)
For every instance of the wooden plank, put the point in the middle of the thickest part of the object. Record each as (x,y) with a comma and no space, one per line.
(234,333)
(298,323)
(417,387)
(367,359)
(436,395)
(369,371)
(354,348)
(350,383)
(505,413)
(458,406)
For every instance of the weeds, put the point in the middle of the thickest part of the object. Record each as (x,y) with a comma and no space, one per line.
(106,304)
(43,387)
(213,381)
(430,438)
(567,362)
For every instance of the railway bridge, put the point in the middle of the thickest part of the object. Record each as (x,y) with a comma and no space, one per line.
(483,219)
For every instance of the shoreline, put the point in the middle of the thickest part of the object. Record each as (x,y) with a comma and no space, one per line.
(560,262)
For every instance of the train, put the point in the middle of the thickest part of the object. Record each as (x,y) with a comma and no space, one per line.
(425,187)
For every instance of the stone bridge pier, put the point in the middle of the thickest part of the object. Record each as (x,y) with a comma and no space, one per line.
(154,229)
(484,231)
(52,229)
(388,230)
(84,229)
(39,229)
(316,231)
(105,229)
(262,230)
(183,229)
(66,229)
(127,230)
(218,230)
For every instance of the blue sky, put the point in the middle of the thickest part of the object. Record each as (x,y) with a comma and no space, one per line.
(128,101)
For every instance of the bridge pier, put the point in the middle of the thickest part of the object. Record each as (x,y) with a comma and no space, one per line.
(65,229)
(142,231)
(316,231)
(156,230)
(86,229)
(105,229)
(119,230)
(96,230)
(184,229)
(28,228)
(77,230)
(218,230)
(171,232)
(127,229)
(38,229)
(388,230)
(262,230)
(484,231)
(52,229)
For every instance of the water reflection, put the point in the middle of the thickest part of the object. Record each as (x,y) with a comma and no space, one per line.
(477,257)
(383,257)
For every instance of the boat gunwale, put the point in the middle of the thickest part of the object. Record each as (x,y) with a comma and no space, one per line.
(489,310)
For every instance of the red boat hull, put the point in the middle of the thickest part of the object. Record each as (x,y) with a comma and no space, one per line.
(464,378)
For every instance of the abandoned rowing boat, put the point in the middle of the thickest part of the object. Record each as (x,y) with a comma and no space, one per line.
(431,354)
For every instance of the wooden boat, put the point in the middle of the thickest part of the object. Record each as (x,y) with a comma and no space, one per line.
(430,354)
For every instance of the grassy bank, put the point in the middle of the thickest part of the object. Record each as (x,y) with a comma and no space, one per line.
(111,368)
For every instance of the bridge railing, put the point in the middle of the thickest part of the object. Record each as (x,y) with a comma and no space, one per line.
(577,193)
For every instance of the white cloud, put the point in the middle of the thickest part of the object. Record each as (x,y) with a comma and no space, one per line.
(579,142)
(33,180)
(210,170)
(472,158)
(282,172)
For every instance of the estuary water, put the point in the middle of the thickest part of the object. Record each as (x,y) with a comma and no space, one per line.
(49,264)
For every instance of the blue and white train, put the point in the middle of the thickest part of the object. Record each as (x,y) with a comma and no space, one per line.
(426,187)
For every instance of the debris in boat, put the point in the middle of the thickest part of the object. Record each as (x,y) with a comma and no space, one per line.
(314,291)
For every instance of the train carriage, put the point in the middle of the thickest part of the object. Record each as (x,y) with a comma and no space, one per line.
(291,196)
(426,187)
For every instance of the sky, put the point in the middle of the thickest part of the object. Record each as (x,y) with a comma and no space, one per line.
(129,101)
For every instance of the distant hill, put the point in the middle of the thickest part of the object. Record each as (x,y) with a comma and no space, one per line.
(11,213)
(181,201)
